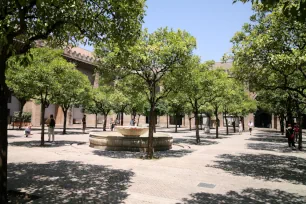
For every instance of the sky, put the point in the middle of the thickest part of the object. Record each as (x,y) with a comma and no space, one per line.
(212,22)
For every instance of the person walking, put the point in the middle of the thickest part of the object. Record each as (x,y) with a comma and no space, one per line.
(84,123)
(112,124)
(290,136)
(27,131)
(250,127)
(240,128)
(51,125)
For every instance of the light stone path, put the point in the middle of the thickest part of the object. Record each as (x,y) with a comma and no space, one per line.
(244,169)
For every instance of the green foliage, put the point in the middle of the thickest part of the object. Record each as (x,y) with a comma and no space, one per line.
(198,83)
(17,82)
(101,101)
(25,117)
(270,53)
(69,21)
(295,9)
(43,76)
(47,78)
(153,58)
(177,103)
(72,89)
(133,90)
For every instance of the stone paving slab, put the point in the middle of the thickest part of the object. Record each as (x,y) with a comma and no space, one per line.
(245,169)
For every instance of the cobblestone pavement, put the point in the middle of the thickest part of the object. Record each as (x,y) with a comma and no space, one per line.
(232,169)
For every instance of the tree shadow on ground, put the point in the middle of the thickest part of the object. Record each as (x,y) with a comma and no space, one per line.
(69,133)
(211,137)
(193,141)
(271,147)
(264,166)
(173,131)
(248,195)
(14,136)
(36,143)
(140,155)
(70,182)
(271,138)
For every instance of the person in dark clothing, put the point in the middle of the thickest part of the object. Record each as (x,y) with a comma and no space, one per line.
(290,136)
(51,125)
(84,123)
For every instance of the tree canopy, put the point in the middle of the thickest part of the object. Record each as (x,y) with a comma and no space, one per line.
(295,9)
(73,89)
(44,77)
(152,59)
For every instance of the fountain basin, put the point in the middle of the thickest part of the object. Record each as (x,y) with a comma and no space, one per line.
(114,141)
(131,131)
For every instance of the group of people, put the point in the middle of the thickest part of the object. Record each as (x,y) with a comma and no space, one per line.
(250,125)
(50,122)
(292,133)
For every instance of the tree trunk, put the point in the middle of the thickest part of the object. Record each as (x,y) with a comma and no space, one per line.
(22,103)
(242,121)
(201,121)
(167,121)
(155,121)
(190,123)
(217,122)
(289,112)
(65,120)
(282,125)
(196,116)
(3,131)
(42,121)
(226,123)
(197,128)
(151,130)
(105,122)
(121,118)
(175,122)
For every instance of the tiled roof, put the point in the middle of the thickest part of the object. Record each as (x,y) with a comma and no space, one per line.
(80,54)
(226,65)
(76,53)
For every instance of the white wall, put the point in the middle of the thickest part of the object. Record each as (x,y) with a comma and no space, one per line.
(50,110)
(77,114)
(14,105)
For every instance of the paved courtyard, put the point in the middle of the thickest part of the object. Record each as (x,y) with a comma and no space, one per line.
(233,169)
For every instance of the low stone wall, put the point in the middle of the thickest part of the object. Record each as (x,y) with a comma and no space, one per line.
(113,141)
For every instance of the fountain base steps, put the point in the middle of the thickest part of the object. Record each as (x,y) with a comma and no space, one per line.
(114,141)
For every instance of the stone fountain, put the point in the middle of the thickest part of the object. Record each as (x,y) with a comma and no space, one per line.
(129,138)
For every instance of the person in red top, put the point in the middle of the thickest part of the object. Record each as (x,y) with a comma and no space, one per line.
(296,132)
(290,136)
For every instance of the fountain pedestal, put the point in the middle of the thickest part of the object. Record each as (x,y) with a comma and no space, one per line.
(114,141)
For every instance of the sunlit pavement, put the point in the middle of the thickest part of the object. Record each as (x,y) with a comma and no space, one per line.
(232,169)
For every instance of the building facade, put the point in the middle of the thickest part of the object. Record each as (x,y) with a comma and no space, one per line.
(85,63)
